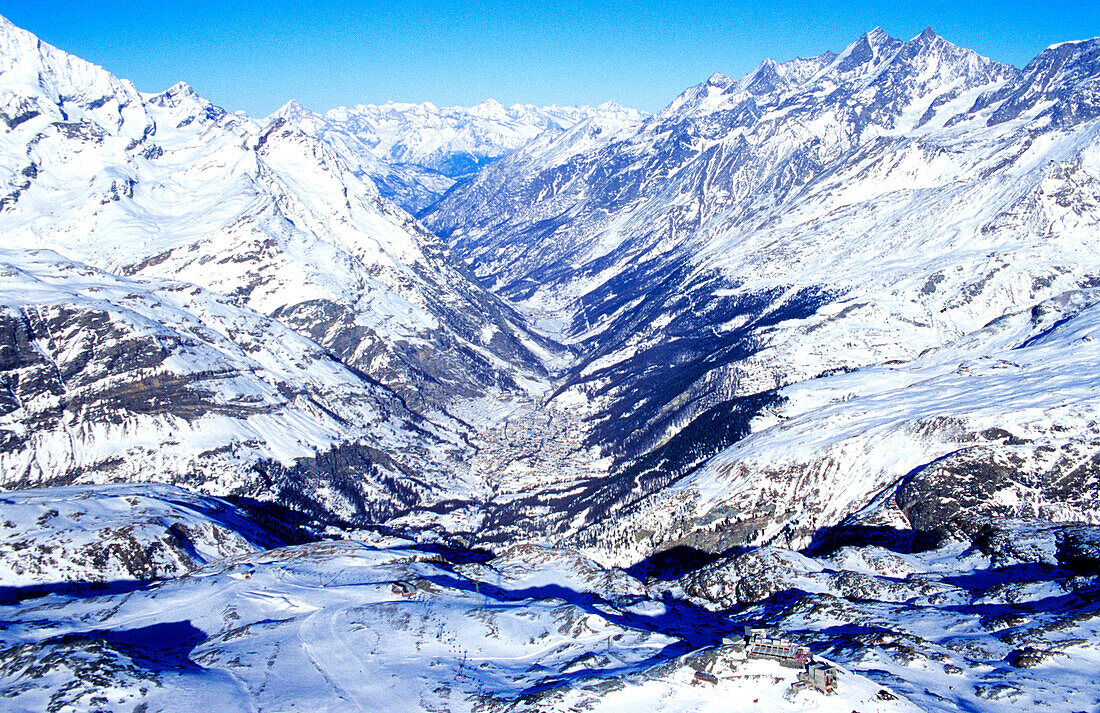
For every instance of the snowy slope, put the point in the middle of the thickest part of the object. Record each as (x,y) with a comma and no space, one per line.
(1005,619)
(1002,422)
(410,185)
(106,378)
(863,217)
(111,536)
(324,626)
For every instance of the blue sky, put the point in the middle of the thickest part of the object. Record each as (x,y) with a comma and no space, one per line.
(253,55)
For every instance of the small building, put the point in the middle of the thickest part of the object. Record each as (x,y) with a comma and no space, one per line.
(819,676)
(758,645)
(404,589)
(735,643)
(706,677)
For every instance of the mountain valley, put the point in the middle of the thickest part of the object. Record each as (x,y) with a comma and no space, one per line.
(518,408)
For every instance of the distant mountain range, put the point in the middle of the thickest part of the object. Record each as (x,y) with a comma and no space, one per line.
(415,152)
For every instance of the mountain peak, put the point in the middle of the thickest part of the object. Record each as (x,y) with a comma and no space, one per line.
(33,67)
(719,80)
(876,37)
(10,29)
(765,79)
(291,110)
(1075,43)
(180,94)
(865,52)
(1059,83)
(19,46)
(181,89)
(615,107)
(928,34)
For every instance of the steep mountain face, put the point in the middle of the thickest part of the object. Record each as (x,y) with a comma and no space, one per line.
(906,455)
(106,378)
(741,142)
(414,153)
(169,185)
(781,259)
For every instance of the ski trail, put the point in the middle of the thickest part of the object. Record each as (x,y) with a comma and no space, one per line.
(307,633)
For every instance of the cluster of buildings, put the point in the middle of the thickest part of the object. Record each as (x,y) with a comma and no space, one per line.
(758,644)
(545,442)
(814,674)
(817,675)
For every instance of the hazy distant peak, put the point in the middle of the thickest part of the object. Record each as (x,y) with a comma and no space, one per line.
(719,80)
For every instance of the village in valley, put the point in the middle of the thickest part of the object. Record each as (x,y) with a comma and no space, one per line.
(535,448)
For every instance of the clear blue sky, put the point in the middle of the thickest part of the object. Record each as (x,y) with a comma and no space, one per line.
(255,55)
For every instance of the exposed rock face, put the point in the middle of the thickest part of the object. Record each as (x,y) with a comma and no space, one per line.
(1013,542)
(107,378)
(1038,481)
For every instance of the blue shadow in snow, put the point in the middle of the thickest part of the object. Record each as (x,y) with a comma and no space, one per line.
(693,626)
(75,590)
(157,648)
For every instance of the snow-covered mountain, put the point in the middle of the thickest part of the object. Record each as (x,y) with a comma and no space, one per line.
(414,153)
(169,185)
(812,349)
(108,378)
(191,296)
(795,291)
(756,266)
(817,237)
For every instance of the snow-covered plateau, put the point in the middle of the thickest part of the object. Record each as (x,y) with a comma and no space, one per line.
(137,597)
(497,408)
